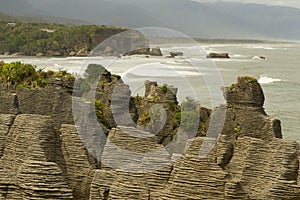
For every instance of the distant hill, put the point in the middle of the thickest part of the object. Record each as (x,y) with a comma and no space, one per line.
(189,17)
(22,11)
(274,21)
(204,20)
(41,19)
(19,7)
(99,12)
(6,17)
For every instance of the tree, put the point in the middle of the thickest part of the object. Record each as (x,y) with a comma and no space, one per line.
(93,72)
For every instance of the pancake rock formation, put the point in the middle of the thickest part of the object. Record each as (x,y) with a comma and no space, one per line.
(42,155)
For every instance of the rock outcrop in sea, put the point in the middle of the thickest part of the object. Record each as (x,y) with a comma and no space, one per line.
(42,156)
(145,51)
(218,55)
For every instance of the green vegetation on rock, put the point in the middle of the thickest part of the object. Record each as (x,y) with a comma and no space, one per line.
(15,75)
(164,88)
(145,119)
(93,72)
(233,86)
(100,108)
(188,118)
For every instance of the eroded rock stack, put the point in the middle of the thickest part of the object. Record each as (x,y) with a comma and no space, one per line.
(31,167)
(42,155)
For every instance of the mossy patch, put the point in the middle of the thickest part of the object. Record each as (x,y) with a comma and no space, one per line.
(18,75)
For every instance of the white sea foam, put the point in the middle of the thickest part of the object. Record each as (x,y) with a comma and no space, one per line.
(262,47)
(176,48)
(230,60)
(166,74)
(157,69)
(267,80)
(58,66)
(256,58)
(197,60)
(173,62)
(239,56)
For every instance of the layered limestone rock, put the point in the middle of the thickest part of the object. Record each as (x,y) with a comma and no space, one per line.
(118,105)
(80,164)
(6,121)
(245,110)
(127,147)
(42,180)
(266,170)
(43,155)
(134,166)
(194,177)
(30,167)
(54,100)
(249,160)
(9,104)
(156,110)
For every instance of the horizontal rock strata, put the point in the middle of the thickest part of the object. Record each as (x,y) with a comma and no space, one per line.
(44,154)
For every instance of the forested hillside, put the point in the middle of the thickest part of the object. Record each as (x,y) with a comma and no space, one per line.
(51,39)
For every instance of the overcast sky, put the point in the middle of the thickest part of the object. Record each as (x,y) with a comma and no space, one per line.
(289,3)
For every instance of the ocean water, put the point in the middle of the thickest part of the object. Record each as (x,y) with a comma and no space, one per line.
(202,79)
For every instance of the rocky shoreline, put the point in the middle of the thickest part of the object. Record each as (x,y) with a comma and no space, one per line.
(42,156)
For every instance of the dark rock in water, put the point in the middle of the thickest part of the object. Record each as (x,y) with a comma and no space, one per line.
(218,55)
(262,57)
(121,44)
(145,51)
(155,52)
(174,54)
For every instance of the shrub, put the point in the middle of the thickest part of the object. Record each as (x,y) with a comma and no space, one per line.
(17,74)
(164,88)
(14,74)
(188,118)
(93,71)
(84,87)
